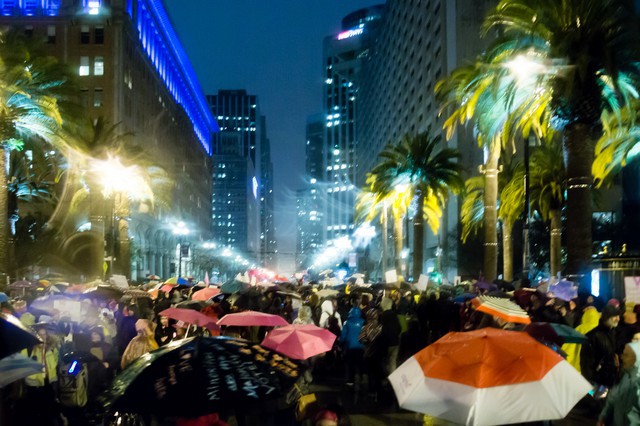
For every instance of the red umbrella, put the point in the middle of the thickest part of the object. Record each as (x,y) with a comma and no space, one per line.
(248,318)
(300,341)
(205,293)
(190,316)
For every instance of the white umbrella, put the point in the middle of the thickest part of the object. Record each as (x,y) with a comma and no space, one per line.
(16,367)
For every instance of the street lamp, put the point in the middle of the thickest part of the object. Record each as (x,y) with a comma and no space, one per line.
(181,230)
(118,180)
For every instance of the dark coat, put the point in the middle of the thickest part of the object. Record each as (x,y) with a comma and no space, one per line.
(598,356)
(390,328)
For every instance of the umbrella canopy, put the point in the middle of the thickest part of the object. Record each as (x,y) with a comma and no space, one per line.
(501,308)
(194,377)
(205,294)
(136,293)
(327,292)
(176,281)
(16,367)
(3,297)
(105,292)
(190,316)
(555,333)
(14,336)
(249,318)
(464,297)
(485,286)
(153,277)
(22,284)
(234,286)
(488,377)
(299,341)
(192,304)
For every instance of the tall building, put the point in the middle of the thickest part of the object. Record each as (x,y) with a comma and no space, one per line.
(342,58)
(242,208)
(268,245)
(131,70)
(310,201)
(418,42)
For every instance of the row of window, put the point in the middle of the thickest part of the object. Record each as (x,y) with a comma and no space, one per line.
(85,68)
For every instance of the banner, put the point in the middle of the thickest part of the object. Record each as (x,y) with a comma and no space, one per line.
(632,289)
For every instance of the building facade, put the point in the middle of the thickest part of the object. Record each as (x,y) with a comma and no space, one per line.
(418,43)
(132,70)
(343,54)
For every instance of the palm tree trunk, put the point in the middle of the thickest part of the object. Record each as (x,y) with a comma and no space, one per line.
(507,250)
(4,214)
(385,238)
(555,244)
(578,143)
(490,214)
(418,239)
(398,240)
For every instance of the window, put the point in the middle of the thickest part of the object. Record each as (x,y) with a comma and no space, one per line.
(51,34)
(98,35)
(98,65)
(84,34)
(28,31)
(84,66)
(97,97)
(84,96)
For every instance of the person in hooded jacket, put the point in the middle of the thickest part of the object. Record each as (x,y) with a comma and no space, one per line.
(621,406)
(353,349)
(598,358)
(589,321)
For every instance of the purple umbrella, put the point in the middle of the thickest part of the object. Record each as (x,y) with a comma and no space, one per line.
(486,286)
(564,290)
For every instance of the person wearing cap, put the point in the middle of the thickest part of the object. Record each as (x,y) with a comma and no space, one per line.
(598,358)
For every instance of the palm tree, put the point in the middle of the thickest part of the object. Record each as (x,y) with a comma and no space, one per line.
(422,173)
(33,89)
(584,57)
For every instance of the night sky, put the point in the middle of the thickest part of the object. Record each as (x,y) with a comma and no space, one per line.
(273,49)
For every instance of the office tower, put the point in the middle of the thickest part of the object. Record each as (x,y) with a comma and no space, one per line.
(310,200)
(342,57)
(268,246)
(241,196)
(419,42)
(131,70)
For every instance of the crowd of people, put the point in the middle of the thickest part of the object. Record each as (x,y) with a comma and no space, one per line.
(376,330)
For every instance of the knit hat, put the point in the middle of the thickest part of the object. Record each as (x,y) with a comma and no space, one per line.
(609,311)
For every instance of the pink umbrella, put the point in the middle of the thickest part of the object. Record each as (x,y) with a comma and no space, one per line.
(300,341)
(248,318)
(190,316)
(205,293)
(167,288)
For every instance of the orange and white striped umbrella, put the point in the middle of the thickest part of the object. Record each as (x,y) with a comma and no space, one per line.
(488,377)
(501,308)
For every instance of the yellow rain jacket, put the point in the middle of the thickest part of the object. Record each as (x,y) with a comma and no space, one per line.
(590,319)
(49,360)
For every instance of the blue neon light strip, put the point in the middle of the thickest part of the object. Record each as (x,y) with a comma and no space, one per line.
(30,7)
(164,50)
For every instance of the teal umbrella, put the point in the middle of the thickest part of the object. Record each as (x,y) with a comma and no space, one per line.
(234,286)
(570,335)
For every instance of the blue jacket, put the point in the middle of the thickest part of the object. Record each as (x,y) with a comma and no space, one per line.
(351,330)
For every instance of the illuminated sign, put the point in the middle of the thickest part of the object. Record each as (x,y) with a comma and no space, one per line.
(255,187)
(350,33)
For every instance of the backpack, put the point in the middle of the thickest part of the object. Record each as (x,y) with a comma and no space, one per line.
(333,325)
(73,382)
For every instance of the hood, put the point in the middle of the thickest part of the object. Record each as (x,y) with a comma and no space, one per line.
(327,306)
(636,348)
(355,313)
(590,319)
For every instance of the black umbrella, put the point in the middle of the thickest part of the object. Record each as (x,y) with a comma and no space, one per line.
(15,336)
(192,304)
(105,292)
(197,376)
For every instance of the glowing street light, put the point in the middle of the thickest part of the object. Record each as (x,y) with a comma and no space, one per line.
(181,230)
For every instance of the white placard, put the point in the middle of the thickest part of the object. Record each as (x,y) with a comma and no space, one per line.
(69,309)
(391,277)
(457,280)
(422,283)
(632,289)
(119,281)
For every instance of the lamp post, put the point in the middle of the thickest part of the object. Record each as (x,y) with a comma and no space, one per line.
(180,229)
(124,182)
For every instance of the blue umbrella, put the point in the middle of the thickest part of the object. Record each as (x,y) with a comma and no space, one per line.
(3,297)
(16,367)
(464,297)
